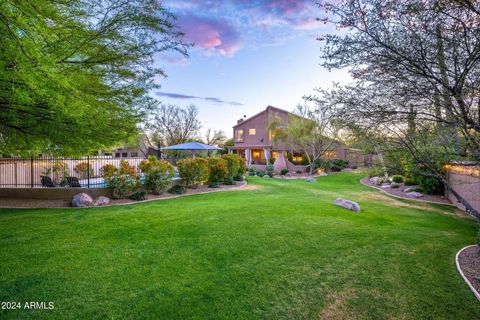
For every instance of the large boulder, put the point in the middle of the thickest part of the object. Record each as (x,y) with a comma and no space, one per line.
(101,201)
(82,200)
(311,180)
(415,194)
(348,204)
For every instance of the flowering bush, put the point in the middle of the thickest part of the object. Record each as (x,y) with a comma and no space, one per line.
(122,182)
(126,168)
(108,170)
(84,170)
(218,171)
(193,171)
(158,174)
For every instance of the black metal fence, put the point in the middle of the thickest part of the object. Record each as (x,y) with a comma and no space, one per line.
(48,172)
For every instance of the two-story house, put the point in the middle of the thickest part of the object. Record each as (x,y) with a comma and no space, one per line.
(256,144)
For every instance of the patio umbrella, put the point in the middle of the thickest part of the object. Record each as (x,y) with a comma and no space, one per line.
(191,146)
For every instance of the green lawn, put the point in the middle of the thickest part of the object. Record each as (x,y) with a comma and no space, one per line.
(277,250)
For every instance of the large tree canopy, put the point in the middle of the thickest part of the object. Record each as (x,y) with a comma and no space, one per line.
(416,66)
(75,74)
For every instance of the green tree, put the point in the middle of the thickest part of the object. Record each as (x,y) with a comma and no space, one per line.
(75,75)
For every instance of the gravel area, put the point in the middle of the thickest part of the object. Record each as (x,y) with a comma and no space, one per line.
(35,203)
(398,192)
(469,260)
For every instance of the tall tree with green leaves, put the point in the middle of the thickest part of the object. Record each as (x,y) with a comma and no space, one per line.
(75,74)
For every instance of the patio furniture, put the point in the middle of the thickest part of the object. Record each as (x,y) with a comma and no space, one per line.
(73,182)
(47,182)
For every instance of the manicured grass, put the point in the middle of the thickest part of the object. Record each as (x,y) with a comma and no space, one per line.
(277,250)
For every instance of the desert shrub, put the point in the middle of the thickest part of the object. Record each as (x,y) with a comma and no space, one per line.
(158,174)
(252,171)
(84,170)
(260,173)
(123,185)
(397,178)
(284,171)
(409,181)
(108,170)
(218,171)
(193,171)
(335,168)
(126,168)
(177,189)
(233,164)
(269,167)
(429,185)
(339,163)
(375,171)
(138,195)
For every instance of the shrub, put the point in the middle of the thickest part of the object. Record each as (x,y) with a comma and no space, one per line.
(177,189)
(138,195)
(397,178)
(158,174)
(339,163)
(298,172)
(252,171)
(429,185)
(126,168)
(123,185)
(108,170)
(266,176)
(354,167)
(260,173)
(233,164)
(269,167)
(193,171)
(84,170)
(335,168)
(242,168)
(284,171)
(218,171)
(409,181)
(375,171)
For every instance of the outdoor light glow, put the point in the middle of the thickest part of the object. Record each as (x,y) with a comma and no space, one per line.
(466,170)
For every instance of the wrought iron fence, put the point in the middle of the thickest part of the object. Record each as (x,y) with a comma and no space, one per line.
(48,172)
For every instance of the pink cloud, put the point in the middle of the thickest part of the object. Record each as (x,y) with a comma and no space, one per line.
(215,35)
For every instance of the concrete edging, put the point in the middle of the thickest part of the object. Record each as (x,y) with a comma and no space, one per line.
(477,295)
(404,198)
(135,202)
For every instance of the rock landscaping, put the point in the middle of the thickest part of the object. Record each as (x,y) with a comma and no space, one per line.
(402,191)
(82,200)
(348,204)
(469,264)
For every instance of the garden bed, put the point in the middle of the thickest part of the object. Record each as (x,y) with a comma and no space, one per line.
(398,192)
(58,203)
(468,263)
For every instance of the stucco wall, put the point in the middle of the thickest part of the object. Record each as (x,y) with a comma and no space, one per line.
(468,186)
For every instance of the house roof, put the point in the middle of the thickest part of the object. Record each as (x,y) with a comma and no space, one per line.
(269,108)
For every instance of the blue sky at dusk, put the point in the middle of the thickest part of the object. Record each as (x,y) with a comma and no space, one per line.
(247,55)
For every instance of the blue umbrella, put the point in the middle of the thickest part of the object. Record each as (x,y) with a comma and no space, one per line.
(191,146)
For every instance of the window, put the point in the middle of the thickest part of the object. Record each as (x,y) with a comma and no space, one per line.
(134,154)
(239,135)
(117,155)
(124,154)
(251,131)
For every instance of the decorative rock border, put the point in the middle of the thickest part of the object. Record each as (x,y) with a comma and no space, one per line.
(405,198)
(245,183)
(457,263)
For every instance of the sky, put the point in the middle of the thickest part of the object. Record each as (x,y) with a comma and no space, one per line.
(246,55)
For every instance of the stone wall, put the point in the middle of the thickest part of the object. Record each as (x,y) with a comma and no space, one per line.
(466,181)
